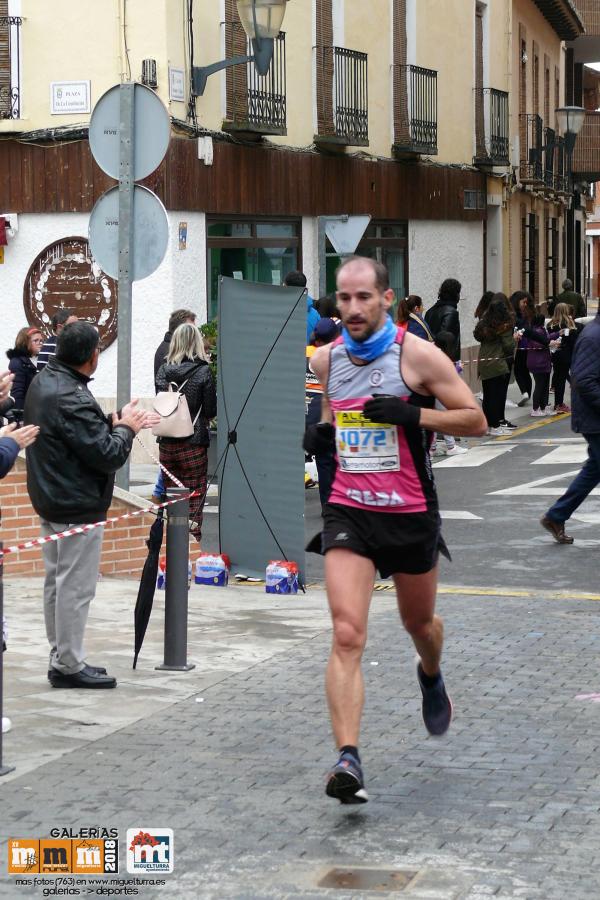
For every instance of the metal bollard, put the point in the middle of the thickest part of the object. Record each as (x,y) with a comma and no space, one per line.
(4,770)
(176,592)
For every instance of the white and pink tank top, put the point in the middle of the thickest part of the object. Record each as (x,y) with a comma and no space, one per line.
(380,467)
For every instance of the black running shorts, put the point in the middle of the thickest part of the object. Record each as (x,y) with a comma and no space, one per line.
(406,543)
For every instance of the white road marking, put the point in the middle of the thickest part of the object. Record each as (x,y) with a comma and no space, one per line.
(211,509)
(588,518)
(476,456)
(535,488)
(457,514)
(565,455)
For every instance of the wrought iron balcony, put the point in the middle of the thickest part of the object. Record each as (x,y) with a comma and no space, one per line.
(586,156)
(346,120)
(549,157)
(561,179)
(10,62)
(531,141)
(491,120)
(415,110)
(256,104)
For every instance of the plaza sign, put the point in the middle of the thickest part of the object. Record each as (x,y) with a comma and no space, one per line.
(69,97)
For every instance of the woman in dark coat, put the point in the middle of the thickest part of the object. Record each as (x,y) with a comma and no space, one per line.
(187,458)
(28,344)
(524,310)
(410,310)
(494,331)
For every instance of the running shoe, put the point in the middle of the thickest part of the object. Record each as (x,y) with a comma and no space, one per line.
(456,450)
(524,400)
(506,424)
(437,706)
(345,781)
(562,408)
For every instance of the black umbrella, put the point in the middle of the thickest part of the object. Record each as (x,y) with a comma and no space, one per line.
(145,597)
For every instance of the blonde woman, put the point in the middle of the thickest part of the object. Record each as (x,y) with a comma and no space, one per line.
(187,458)
(562,322)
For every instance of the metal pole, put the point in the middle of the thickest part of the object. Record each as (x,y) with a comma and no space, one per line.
(126,186)
(176,592)
(322,249)
(4,770)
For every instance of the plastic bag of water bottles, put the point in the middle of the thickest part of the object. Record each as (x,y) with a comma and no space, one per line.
(161,577)
(212,569)
(281,577)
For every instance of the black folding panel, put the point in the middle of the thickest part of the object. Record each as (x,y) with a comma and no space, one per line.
(261,396)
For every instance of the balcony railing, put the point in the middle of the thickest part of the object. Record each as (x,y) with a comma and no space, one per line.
(415,110)
(491,115)
(561,181)
(531,137)
(10,63)
(586,156)
(549,157)
(347,121)
(258,102)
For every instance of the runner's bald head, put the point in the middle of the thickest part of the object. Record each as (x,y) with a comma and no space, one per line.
(381,275)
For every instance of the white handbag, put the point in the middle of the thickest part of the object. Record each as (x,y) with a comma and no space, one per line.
(174,412)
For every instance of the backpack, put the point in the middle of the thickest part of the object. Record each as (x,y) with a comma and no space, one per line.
(174,412)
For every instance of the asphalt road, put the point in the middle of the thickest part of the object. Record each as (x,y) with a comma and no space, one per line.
(495,538)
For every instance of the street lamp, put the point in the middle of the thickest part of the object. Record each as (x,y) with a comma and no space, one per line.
(262,21)
(570,120)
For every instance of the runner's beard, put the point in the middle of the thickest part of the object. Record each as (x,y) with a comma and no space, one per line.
(371,329)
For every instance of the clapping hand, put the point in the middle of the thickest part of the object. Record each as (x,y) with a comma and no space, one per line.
(6,380)
(24,436)
(135,418)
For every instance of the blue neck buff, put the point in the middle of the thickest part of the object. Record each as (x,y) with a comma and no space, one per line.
(374,346)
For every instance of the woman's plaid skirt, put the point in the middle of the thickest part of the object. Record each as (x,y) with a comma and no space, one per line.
(188,463)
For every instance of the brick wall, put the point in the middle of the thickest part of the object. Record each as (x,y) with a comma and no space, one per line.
(123,549)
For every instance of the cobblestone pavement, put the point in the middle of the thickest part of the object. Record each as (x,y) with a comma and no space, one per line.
(506,805)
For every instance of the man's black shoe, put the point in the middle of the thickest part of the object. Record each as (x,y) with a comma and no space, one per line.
(99,670)
(86,678)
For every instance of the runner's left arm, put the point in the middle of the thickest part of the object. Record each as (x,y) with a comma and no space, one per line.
(428,371)
(462,416)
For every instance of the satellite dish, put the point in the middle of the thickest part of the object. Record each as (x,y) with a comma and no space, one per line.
(151,131)
(150,233)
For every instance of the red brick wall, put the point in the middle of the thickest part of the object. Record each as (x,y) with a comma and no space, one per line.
(123,548)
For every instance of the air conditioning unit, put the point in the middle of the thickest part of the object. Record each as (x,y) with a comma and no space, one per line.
(149,73)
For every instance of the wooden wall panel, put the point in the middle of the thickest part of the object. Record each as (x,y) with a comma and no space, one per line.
(243,181)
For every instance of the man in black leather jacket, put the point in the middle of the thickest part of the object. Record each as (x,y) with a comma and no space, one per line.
(70,477)
(443,315)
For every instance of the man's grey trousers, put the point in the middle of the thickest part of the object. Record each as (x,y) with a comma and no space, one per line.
(71,565)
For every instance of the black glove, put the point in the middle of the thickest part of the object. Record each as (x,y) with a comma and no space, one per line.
(392,411)
(319,438)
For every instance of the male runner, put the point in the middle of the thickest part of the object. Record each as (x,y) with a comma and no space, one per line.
(380,385)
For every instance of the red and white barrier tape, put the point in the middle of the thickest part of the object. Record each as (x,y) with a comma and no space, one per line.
(81,529)
(164,469)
